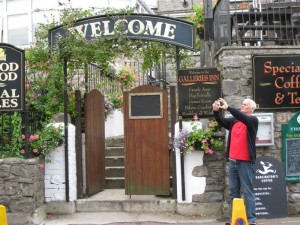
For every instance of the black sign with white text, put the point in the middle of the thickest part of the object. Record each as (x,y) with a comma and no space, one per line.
(135,26)
(12,77)
(197,90)
(270,188)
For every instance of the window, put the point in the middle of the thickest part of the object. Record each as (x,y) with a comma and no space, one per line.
(17,31)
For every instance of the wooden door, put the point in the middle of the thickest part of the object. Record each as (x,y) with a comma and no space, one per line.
(94,142)
(146,141)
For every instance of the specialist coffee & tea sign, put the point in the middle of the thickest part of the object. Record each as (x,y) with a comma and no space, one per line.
(12,78)
(276,81)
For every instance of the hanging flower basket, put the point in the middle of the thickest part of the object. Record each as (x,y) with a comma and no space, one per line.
(197,139)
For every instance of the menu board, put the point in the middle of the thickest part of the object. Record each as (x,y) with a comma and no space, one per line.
(291,149)
(197,90)
(292,157)
(270,189)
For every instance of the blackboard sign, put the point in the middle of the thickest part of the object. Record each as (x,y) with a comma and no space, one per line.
(276,81)
(197,90)
(270,188)
(291,149)
(145,105)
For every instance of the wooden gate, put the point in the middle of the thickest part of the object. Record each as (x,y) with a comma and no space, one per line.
(146,141)
(94,142)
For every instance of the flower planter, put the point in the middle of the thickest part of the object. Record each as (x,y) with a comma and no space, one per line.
(192,185)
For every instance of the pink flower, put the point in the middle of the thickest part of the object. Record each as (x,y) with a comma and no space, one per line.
(22,151)
(209,151)
(195,117)
(41,166)
(204,140)
(23,137)
(33,137)
(35,150)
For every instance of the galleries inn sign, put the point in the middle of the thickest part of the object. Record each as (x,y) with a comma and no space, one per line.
(12,75)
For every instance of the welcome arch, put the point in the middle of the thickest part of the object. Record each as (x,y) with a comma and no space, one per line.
(179,33)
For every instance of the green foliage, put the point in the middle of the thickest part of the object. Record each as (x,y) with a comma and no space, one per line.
(43,142)
(11,141)
(197,18)
(39,144)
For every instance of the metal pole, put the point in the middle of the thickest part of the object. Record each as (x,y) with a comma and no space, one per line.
(66,129)
(180,127)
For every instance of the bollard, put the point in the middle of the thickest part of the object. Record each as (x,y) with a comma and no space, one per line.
(3,218)
(239,216)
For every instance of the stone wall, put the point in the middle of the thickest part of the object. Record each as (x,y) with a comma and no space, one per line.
(21,185)
(236,72)
(213,169)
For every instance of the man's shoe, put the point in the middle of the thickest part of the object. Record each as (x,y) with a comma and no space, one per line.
(228,223)
(252,223)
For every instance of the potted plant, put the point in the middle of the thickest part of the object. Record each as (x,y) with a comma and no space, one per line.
(195,139)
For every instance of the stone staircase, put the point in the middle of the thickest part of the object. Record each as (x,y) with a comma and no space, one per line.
(114,163)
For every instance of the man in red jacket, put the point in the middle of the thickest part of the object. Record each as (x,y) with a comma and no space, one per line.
(240,152)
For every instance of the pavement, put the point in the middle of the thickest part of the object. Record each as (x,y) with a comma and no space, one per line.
(88,217)
(122,218)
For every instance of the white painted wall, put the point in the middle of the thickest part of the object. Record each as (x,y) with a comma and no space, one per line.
(193,185)
(55,189)
(114,124)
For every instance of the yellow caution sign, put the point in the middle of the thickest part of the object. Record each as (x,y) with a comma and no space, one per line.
(239,216)
(3,218)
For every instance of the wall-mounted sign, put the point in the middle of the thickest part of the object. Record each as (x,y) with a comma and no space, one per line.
(12,78)
(276,81)
(197,90)
(135,26)
(145,105)
(270,188)
(291,149)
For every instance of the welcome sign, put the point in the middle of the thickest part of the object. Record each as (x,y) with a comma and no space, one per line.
(135,26)
(12,74)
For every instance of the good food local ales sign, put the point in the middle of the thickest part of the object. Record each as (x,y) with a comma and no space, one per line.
(135,26)
(276,81)
(12,64)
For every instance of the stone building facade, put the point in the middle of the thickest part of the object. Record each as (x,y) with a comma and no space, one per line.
(237,83)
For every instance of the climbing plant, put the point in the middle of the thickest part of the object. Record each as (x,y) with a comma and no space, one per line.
(45,68)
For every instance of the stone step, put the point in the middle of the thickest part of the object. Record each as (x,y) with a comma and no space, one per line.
(114,151)
(115,200)
(115,171)
(153,206)
(115,141)
(115,182)
(111,161)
